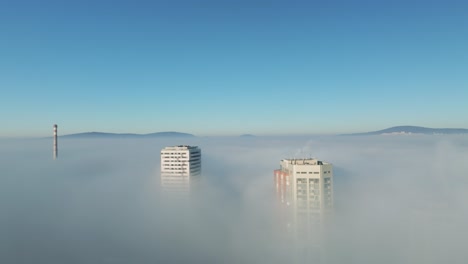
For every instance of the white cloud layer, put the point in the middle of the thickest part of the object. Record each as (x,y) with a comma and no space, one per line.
(399,199)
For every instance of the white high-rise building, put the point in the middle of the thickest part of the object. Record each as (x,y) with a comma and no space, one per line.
(310,183)
(180,165)
(305,191)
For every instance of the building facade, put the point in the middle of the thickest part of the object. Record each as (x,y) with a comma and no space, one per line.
(304,189)
(180,166)
(307,184)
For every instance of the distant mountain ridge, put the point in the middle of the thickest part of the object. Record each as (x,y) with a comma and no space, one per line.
(408,130)
(127,135)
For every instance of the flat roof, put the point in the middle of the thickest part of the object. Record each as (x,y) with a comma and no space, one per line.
(180,147)
(308,161)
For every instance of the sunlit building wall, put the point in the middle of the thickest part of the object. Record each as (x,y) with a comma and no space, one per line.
(180,166)
(304,188)
(306,184)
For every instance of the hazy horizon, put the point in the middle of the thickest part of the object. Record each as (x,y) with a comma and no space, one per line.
(221,135)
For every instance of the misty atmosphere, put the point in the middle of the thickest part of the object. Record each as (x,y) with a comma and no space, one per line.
(397,199)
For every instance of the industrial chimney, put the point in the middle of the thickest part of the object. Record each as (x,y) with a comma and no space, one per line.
(55,142)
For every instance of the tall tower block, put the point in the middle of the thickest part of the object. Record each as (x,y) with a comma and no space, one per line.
(180,169)
(305,191)
(55,142)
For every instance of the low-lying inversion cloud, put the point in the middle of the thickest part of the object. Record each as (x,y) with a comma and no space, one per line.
(397,200)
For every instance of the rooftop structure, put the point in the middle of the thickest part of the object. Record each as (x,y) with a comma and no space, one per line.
(181,147)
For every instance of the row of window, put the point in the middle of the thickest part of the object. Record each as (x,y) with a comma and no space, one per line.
(312,172)
(304,180)
(311,193)
(312,186)
(185,165)
(180,154)
(305,172)
(179,161)
(177,153)
(179,158)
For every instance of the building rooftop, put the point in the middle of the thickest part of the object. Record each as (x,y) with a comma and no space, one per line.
(180,147)
(309,161)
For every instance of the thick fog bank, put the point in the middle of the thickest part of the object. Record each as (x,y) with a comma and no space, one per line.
(397,199)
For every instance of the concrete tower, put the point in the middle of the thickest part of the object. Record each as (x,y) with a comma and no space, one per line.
(304,189)
(55,142)
(180,168)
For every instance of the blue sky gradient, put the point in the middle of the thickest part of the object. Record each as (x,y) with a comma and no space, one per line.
(231,67)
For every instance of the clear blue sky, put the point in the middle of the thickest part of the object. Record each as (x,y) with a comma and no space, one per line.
(231,67)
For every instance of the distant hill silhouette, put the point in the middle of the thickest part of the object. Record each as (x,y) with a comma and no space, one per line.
(126,135)
(407,130)
(247,135)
